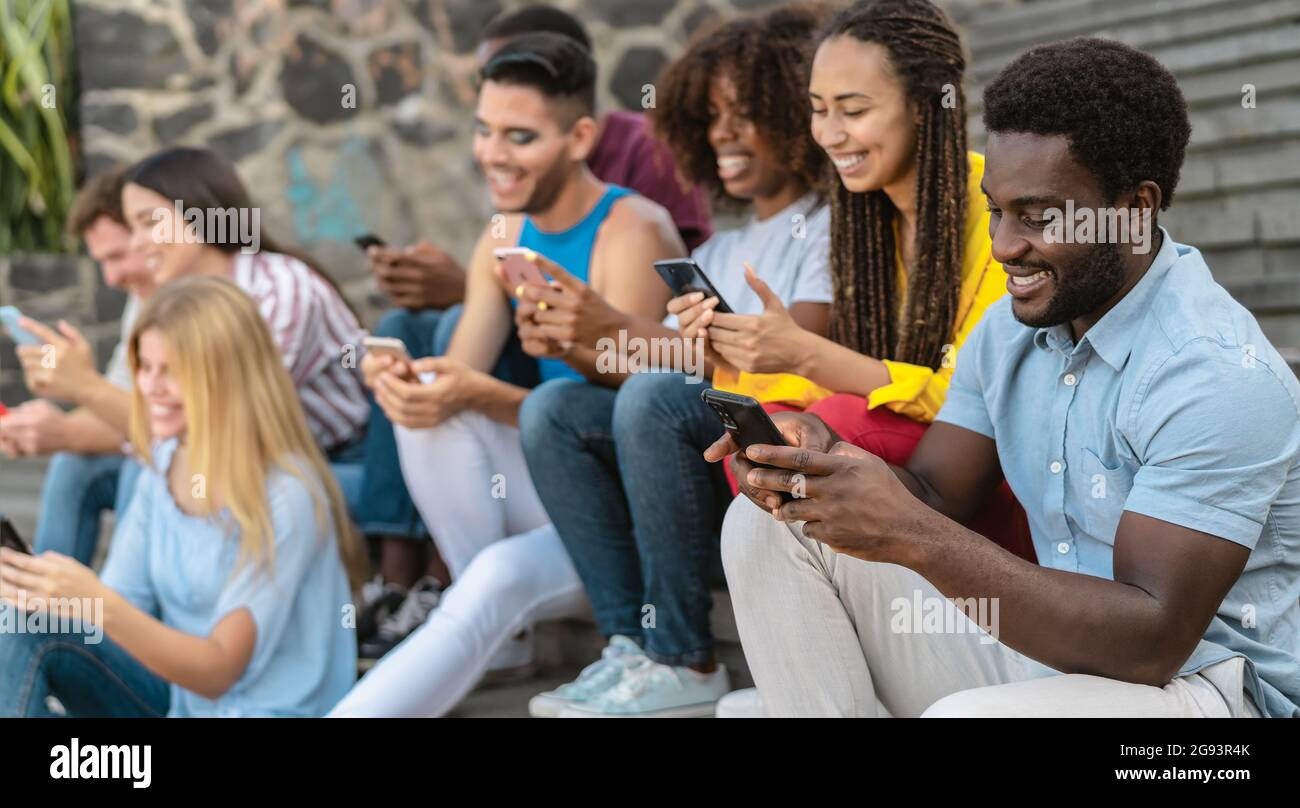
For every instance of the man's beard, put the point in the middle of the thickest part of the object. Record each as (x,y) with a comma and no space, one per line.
(1095,279)
(547,189)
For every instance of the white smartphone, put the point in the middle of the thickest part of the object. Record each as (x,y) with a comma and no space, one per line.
(9,317)
(388,345)
(397,349)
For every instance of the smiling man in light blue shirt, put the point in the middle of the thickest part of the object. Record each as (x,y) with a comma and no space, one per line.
(1142,418)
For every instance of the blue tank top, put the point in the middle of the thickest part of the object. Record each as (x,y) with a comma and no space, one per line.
(570,249)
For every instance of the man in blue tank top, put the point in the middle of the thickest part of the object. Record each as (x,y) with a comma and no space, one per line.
(456,424)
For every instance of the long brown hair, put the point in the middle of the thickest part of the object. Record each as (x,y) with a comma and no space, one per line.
(201,178)
(925,52)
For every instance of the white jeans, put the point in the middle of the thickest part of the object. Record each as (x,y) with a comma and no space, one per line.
(822,637)
(509,568)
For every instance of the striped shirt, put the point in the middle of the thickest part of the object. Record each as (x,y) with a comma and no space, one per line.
(311,325)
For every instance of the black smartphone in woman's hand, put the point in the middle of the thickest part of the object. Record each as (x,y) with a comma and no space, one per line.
(9,537)
(684,276)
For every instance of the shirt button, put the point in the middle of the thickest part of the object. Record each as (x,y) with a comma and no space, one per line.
(1063,548)
(1070,379)
(1056,467)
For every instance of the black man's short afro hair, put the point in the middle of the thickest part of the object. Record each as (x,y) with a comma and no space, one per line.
(1121,110)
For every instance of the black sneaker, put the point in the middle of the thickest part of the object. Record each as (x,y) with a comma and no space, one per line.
(419,602)
(377,602)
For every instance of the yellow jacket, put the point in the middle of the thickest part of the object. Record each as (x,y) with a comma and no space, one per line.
(914,391)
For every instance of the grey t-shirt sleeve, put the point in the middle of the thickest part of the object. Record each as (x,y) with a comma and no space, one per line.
(813,283)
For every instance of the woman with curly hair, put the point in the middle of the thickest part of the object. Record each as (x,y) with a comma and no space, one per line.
(620,472)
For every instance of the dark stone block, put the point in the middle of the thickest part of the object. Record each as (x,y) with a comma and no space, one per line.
(622,14)
(109,303)
(171,128)
(466,18)
(422,133)
(312,80)
(120,119)
(43,273)
(117,49)
(95,163)
(236,144)
(638,67)
(701,17)
(207,17)
(396,71)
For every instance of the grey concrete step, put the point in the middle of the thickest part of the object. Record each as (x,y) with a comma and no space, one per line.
(1253,40)
(1144,25)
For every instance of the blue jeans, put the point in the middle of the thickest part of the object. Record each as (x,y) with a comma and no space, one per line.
(77,489)
(376,494)
(639,509)
(90,680)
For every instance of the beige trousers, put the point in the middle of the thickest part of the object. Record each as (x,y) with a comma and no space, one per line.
(830,635)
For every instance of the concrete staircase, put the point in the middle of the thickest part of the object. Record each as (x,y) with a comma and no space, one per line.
(1239,196)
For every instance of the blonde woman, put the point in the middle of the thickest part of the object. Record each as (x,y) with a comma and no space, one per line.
(225,588)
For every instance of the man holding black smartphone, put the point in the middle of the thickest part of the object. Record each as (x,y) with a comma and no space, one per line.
(1141,415)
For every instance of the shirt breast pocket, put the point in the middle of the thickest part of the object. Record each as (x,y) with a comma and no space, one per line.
(1104,489)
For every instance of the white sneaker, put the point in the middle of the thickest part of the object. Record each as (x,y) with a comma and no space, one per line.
(651,690)
(595,679)
(740,704)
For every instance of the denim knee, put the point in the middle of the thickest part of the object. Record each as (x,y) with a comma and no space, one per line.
(545,413)
(648,403)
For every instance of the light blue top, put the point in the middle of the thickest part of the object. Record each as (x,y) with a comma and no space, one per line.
(1174,405)
(182,569)
(571,249)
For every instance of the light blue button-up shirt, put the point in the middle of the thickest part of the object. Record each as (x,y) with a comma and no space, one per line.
(1174,405)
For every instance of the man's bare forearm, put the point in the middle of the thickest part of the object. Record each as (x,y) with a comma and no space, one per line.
(1071,622)
(87,433)
(110,403)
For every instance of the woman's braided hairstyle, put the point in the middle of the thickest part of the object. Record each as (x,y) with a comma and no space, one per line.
(926,54)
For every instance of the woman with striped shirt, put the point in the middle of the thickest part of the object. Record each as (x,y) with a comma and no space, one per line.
(309,319)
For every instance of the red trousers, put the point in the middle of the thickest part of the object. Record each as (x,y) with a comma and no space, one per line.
(893,438)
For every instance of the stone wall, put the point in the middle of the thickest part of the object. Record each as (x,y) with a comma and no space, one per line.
(343,117)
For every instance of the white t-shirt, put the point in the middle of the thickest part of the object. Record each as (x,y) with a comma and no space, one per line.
(119,370)
(789,250)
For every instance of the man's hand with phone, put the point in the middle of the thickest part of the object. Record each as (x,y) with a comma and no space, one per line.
(420,276)
(848,498)
(34,429)
(62,367)
(800,429)
(565,313)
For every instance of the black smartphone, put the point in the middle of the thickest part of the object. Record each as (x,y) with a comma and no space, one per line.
(684,276)
(9,537)
(369,240)
(747,422)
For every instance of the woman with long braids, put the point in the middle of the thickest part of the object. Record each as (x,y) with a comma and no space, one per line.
(910,252)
